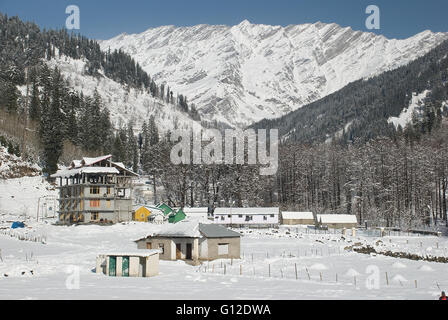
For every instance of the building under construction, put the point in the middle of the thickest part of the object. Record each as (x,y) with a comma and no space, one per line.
(95,190)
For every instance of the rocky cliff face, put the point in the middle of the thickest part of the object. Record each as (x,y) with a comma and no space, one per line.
(239,75)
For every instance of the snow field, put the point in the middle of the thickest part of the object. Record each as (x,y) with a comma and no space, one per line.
(266,269)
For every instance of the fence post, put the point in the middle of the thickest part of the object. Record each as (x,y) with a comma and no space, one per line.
(295,266)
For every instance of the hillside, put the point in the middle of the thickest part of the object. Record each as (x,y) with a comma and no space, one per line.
(376,106)
(241,74)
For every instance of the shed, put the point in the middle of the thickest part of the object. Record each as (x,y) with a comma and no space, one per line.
(296,217)
(192,240)
(337,221)
(122,264)
(143,213)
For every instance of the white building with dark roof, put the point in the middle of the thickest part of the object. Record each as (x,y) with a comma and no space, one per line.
(192,240)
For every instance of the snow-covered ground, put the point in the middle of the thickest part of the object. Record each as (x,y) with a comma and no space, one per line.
(43,261)
(49,270)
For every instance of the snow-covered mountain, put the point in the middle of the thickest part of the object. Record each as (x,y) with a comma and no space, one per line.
(241,74)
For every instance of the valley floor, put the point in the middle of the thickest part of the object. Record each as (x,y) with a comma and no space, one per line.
(266,271)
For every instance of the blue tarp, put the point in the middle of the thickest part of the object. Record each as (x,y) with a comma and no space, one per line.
(16,225)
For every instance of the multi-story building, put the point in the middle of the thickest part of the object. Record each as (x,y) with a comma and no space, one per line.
(95,190)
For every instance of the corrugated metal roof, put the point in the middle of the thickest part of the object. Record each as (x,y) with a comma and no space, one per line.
(216,231)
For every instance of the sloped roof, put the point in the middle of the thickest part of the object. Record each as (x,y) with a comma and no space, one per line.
(297,215)
(337,218)
(75,164)
(194,229)
(251,211)
(123,167)
(150,208)
(216,231)
(182,229)
(143,253)
(89,161)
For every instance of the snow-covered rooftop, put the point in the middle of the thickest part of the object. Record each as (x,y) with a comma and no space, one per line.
(67,173)
(337,218)
(297,215)
(90,161)
(251,211)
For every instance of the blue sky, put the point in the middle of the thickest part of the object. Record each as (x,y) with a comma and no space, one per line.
(105,19)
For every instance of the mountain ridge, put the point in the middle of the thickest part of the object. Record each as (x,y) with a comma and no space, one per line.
(238,75)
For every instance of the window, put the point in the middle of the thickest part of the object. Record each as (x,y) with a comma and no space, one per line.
(108,203)
(223,249)
(94,190)
(240,216)
(249,218)
(272,216)
(109,190)
(120,192)
(265,218)
(222,218)
(162,247)
(229,216)
(94,216)
(94,203)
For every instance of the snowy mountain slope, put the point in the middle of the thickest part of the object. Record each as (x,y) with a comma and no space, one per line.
(123,104)
(405,116)
(239,75)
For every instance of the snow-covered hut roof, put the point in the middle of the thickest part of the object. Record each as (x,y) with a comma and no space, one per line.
(194,229)
(297,215)
(182,229)
(143,253)
(251,211)
(337,218)
(76,164)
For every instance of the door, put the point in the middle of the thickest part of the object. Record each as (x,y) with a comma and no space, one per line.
(125,266)
(112,266)
(189,251)
(178,251)
(148,245)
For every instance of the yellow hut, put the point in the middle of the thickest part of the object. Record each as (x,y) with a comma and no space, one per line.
(143,213)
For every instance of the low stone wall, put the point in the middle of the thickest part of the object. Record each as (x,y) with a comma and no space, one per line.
(404,255)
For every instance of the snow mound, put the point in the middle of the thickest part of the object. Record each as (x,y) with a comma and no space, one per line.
(398,265)
(426,268)
(318,266)
(399,278)
(352,273)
